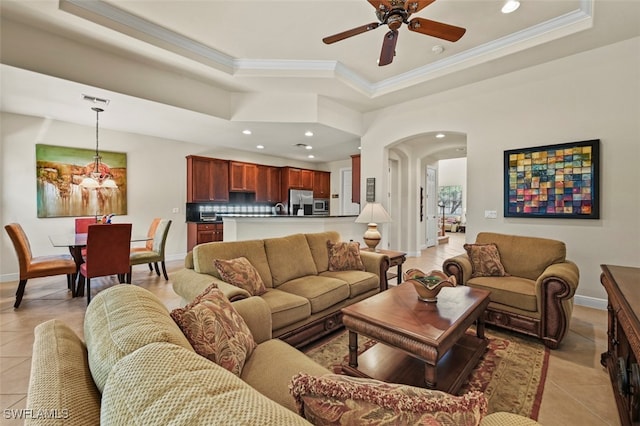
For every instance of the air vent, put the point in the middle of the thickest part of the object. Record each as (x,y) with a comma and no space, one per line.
(95,100)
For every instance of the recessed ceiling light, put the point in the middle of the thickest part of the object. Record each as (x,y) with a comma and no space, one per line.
(308,147)
(311,156)
(246,132)
(437,49)
(260,146)
(308,133)
(440,135)
(510,6)
(360,147)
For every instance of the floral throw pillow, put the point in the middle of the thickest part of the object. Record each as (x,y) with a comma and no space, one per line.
(485,260)
(335,399)
(241,273)
(344,256)
(216,330)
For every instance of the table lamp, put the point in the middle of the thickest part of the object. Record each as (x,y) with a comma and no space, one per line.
(372,214)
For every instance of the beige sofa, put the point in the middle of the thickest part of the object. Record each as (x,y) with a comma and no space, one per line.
(536,295)
(138,368)
(304,297)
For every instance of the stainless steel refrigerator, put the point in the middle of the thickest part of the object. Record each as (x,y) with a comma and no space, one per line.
(300,200)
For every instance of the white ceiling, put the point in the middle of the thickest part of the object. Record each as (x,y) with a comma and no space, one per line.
(274,49)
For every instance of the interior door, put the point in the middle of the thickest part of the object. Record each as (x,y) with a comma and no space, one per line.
(431,202)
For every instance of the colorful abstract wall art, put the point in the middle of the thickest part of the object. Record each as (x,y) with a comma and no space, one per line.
(553,181)
(60,171)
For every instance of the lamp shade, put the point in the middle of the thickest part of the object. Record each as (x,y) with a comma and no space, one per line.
(373,213)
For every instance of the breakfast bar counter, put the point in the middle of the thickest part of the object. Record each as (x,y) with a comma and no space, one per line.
(251,228)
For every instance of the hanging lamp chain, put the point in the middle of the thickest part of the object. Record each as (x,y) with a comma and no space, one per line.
(97,158)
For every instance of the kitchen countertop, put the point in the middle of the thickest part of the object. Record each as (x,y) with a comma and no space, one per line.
(270,216)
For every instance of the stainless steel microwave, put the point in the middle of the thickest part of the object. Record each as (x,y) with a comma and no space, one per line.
(321,206)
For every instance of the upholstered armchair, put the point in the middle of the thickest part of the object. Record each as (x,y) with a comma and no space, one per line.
(531,283)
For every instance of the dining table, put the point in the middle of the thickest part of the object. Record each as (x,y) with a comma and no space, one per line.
(75,243)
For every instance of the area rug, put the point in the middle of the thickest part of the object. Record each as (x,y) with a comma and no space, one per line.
(511,373)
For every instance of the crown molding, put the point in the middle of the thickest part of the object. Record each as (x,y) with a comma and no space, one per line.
(106,14)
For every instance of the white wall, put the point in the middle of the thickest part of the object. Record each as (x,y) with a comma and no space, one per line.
(595,94)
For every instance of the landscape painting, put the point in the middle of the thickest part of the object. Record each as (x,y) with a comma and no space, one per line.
(60,173)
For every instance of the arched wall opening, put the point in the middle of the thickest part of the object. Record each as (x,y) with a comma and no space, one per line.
(409,198)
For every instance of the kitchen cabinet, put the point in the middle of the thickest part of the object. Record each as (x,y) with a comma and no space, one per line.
(355,179)
(306,176)
(268,184)
(321,184)
(242,176)
(199,233)
(297,178)
(207,179)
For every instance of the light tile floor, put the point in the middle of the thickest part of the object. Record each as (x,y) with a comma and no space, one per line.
(577,390)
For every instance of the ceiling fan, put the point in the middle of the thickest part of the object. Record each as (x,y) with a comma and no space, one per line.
(394,13)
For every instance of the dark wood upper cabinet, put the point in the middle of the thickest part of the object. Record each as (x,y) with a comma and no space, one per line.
(207,179)
(293,177)
(242,176)
(307,179)
(321,184)
(355,179)
(268,184)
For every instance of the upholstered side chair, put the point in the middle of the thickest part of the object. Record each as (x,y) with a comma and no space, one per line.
(82,224)
(40,266)
(108,248)
(156,254)
(149,243)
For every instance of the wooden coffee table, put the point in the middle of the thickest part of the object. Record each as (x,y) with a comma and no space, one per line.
(420,344)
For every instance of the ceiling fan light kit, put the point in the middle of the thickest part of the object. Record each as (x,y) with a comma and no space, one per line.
(394,13)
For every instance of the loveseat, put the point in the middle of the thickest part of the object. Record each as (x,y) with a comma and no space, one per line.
(532,284)
(303,295)
(136,367)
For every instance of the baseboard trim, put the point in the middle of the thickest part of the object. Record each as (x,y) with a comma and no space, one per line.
(591,302)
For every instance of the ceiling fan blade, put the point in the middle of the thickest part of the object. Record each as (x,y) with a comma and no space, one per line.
(350,33)
(377,3)
(388,48)
(436,29)
(413,6)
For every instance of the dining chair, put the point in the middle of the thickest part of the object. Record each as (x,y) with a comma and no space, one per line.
(40,266)
(107,254)
(82,224)
(149,244)
(156,254)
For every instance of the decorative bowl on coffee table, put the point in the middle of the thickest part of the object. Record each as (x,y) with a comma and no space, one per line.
(428,285)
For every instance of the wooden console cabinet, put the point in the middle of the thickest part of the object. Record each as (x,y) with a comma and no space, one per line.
(622,284)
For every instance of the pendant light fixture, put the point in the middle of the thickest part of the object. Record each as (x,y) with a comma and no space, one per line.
(100,177)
